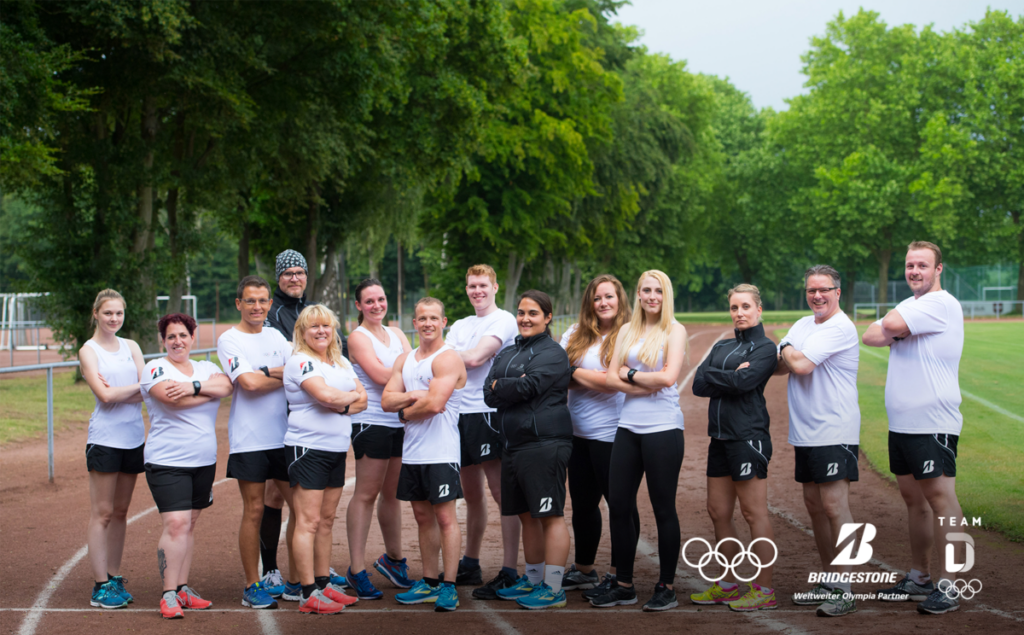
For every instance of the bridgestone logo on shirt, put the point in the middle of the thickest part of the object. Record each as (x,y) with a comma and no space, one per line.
(307,367)
(157,372)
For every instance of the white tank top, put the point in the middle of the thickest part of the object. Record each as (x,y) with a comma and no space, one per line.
(116,425)
(434,440)
(656,412)
(387,354)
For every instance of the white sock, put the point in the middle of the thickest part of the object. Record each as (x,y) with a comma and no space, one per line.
(535,572)
(919,577)
(553,577)
(726,586)
(845,586)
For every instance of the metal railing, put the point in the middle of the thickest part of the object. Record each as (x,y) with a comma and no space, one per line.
(972,309)
(49,390)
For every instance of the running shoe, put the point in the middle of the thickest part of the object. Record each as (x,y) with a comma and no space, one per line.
(420,593)
(447,599)
(339,580)
(273,583)
(755,600)
(906,590)
(575,579)
(606,585)
(169,607)
(360,583)
(521,588)
(663,599)
(938,603)
(490,590)
(817,595)
(189,599)
(717,595)
(838,604)
(615,596)
(336,594)
(107,597)
(395,570)
(319,604)
(543,597)
(292,592)
(256,597)
(118,583)
(465,576)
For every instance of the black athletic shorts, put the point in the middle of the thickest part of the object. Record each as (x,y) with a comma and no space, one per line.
(742,460)
(181,489)
(923,455)
(103,458)
(533,479)
(826,463)
(315,469)
(259,466)
(480,441)
(436,482)
(376,441)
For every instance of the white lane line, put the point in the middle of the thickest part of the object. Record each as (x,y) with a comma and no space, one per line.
(681,385)
(31,622)
(494,612)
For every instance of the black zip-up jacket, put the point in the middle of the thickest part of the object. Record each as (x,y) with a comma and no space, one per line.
(737,411)
(285,311)
(532,392)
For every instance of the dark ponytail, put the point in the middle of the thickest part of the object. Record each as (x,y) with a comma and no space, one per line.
(543,300)
(364,285)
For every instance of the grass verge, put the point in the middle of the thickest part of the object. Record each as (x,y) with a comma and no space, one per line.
(722,317)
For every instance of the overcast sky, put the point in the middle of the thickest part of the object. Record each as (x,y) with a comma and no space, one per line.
(758,43)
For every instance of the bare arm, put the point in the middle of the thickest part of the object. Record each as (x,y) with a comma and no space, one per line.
(360,351)
(106,393)
(487,348)
(172,393)
(448,373)
(796,362)
(883,332)
(394,397)
(257,382)
(333,398)
(596,380)
(613,379)
(669,373)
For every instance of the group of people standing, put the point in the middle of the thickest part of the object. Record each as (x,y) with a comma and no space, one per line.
(498,402)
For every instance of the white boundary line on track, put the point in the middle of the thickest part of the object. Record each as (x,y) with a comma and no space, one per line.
(391,611)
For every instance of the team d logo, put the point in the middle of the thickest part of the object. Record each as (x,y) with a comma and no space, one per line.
(307,367)
(156,372)
(545,504)
(846,557)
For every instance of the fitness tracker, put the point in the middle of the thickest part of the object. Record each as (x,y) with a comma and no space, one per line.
(196,387)
(629,375)
(401,416)
(266,371)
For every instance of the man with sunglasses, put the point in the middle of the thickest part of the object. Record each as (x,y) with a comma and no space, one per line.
(821,354)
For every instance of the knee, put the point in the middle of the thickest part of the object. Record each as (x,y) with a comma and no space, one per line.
(472,495)
(665,513)
(719,513)
(178,528)
(832,507)
(447,522)
(422,517)
(754,516)
(103,514)
(253,513)
(495,492)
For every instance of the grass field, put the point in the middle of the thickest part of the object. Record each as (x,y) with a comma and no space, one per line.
(990,472)
(722,317)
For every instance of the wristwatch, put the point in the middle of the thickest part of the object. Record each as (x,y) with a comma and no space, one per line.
(572,370)
(196,386)
(345,411)
(401,416)
(629,375)
(784,345)
(266,371)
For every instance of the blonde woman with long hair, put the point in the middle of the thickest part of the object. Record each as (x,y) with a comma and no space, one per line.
(645,365)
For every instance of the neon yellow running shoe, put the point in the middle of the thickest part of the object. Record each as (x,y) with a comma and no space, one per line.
(756,599)
(717,595)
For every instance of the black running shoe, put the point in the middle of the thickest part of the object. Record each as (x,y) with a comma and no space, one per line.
(616,596)
(663,599)
(576,579)
(490,590)
(606,585)
(466,576)
(938,603)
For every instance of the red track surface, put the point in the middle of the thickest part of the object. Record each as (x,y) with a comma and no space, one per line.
(43,528)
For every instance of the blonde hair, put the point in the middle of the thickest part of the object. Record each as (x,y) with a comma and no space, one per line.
(924,244)
(657,338)
(318,313)
(427,300)
(745,288)
(482,270)
(588,328)
(104,296)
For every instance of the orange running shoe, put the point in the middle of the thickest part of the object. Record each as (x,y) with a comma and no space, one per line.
(319,604)
(335,594)
(189,599)
(169,608)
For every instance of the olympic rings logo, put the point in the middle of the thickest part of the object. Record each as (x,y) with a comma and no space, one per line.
(954,589)
(725,563)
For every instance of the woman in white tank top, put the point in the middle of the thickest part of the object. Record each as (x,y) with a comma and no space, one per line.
(114,449)
(377,438)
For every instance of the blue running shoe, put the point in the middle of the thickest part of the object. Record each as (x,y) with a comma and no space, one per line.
(273,583)
(395,570)
(419,593)
(255,596)
(292,592)
(339,580)
(118,583)
(543,597)
(107,597)
(447,599)
(360,583)
(520,589)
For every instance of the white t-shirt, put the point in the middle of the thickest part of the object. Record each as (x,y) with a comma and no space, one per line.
(310,425)
(823,408)
(257,421)
(922,389)
(656,412)
(387,354)
(180,437)
(595,415)
(465,335)
(434,440)
(116,425)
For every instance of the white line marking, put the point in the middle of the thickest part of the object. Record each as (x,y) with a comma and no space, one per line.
(693,371)
(515,611)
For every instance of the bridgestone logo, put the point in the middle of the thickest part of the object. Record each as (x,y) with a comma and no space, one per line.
(485,449)
(929,466)
(848,533)
(833,469)
(443,490)
(745,469)
(545,504)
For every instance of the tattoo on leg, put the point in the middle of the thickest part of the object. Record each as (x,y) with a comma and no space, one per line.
(161,561)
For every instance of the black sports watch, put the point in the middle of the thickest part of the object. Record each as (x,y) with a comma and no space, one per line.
(345,411)
(401,416)
(572,370)
(629,375)
(196,386)
(784,345)
(266,371)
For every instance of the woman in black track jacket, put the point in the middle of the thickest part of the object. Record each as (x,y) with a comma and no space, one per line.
(734,375)
(529,385)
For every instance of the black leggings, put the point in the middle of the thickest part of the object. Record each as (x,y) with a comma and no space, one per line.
(660,456)
(589,467)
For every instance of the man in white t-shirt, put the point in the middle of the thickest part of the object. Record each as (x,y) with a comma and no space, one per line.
(925,336)
(820,354)
(478,338)
(254,358)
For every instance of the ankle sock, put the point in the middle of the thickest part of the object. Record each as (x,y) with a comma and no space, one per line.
(96,586)
(180,587)
(432,581)
(919,577)
(321,581)
(727,586)
(470,563)
(553,577)
(512,573)
(535,572)
(307,590)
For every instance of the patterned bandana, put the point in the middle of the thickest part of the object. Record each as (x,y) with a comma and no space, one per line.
(287,259)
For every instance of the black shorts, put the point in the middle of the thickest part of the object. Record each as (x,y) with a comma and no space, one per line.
(480,441)
(436,482)
(376,441)
(103,458)
(923,455)
(533,480)
(181,489)
(742,460)
(259,466)
(315,469)
(826,463)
